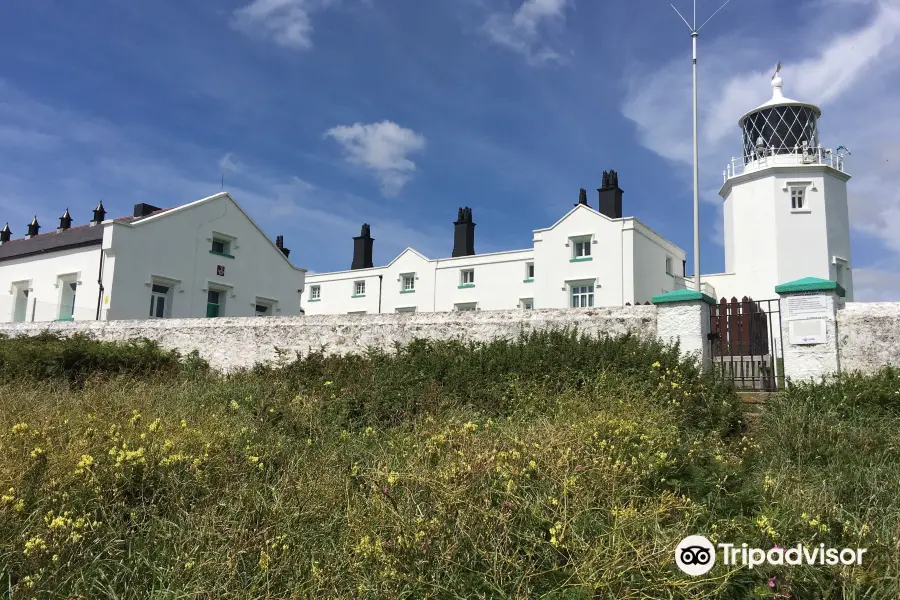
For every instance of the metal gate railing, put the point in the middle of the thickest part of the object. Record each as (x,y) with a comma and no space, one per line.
(745,343)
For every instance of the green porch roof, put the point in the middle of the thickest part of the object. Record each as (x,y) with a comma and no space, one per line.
(684,295)
(810,284)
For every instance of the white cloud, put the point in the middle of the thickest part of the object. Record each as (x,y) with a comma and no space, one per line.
(285,22)
(875,285)
(230,163)
(522,31)
(382,148)
(851,75)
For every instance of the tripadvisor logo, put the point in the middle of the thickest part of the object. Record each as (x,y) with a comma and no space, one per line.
(696,555)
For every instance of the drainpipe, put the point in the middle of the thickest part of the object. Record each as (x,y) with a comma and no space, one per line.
(100,286)
(379,292)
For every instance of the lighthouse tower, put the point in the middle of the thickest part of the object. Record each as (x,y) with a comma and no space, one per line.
(785,205)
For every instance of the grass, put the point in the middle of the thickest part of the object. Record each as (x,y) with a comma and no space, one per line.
(555,466)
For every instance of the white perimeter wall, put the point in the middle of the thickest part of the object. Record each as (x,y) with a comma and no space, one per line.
(234,343)
(869,335)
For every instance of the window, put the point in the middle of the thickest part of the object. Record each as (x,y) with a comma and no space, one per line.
(356,312)
(262,310)
(581,248)
(20,301)
(221,246)
(529,271)
(68,291)
(406,309)
(526,303)
(797,199)
(409,282)
(582,296)
(359,288)
(669,265)
(467,277)
(466,306)
(315,292)
(215,301)
(159,295)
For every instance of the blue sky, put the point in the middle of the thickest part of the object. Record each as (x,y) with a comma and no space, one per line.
(324,114)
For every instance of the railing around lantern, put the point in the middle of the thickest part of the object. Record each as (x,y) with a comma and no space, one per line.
(773,157)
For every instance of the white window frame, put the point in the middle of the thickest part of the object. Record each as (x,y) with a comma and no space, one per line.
(526,303)
(270,304)
(467,277)
(802,188)
(529,271)
(227,241)
(359,288)
(583,244)
(225,292)
(409,278)
(315,292)
(670,263)
(585,291)
(465,307)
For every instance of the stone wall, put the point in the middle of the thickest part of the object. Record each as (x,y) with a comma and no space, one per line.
(229,343)
(869,335)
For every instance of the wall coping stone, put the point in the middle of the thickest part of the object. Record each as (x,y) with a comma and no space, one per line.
(684,295)
(810,284)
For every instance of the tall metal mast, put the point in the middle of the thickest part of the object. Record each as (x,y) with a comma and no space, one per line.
(695,32)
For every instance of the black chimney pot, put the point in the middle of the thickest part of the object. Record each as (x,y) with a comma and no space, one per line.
(33,228)
(65,221)
(279,243)
(582,197)
(610,196)
(143,210)
(464,233)
(362,249)
(5,234)
(99,214)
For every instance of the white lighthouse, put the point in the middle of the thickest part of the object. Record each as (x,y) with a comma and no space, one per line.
(785,207)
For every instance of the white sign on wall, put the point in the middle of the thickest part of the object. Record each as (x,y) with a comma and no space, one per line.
(808,331)
(807,307)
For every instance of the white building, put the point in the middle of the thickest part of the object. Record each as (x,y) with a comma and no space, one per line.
(207,258)
(587,258)
(785,208)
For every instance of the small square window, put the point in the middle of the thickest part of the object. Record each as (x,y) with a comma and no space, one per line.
(315,292)
(466,306)
(467,277)
(359,288)
(526,303)
(669,265)
(797,199)
(529,271)
(406,309)
(220,246)
(581,247)
(409,282)
(263,310)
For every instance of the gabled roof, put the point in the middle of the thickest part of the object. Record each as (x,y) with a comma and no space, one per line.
(579,207)
(414,251)
(164,213)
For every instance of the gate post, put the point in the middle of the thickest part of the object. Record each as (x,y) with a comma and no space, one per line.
(809,328)
(683,316)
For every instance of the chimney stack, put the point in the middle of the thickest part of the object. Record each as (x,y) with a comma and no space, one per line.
(610,196)
(582,197)
(279,243)
(33,228)
(144,210)
(464,233)
(5,234)
(65,222)
(362,249)
(99,214)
